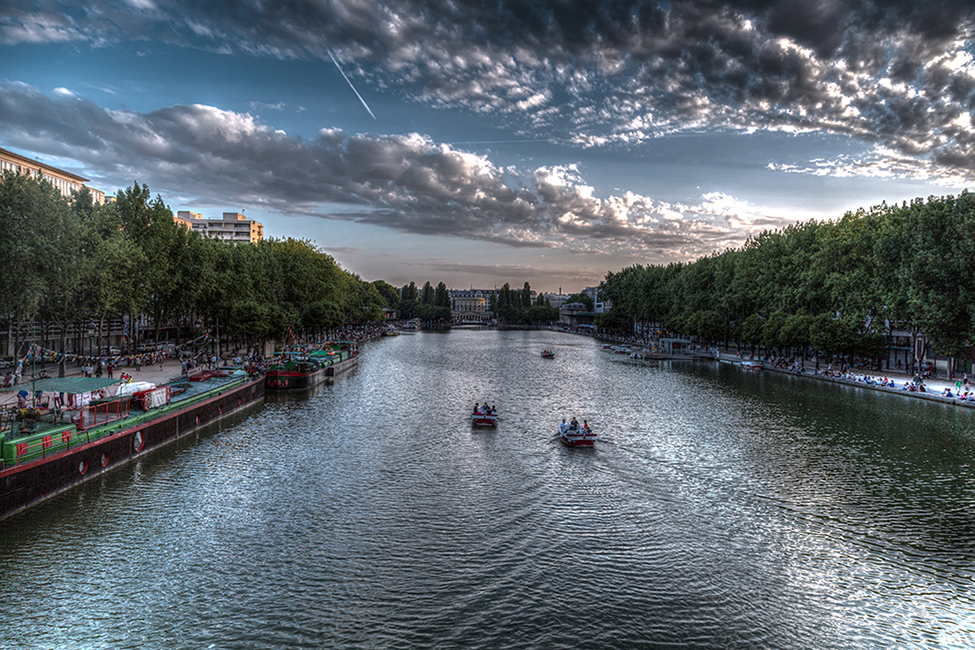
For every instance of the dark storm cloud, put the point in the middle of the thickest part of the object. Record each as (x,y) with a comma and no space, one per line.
(407,183)
(884,71)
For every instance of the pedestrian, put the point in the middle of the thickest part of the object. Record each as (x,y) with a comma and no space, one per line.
(111,368)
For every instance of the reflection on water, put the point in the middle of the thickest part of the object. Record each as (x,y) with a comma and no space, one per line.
(719,509)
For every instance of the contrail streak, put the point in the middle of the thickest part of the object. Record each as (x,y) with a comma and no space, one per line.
(350,84)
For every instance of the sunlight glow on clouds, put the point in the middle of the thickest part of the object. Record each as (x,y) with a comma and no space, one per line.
(408,183)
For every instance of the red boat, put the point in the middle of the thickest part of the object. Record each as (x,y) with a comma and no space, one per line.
(484,416)
(573,435)
(548,354)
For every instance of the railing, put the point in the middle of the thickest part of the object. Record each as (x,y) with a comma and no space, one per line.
(46,444)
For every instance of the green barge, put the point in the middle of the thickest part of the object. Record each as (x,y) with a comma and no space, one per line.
(78,431)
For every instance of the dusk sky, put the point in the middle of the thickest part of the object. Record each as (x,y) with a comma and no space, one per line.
(478,143)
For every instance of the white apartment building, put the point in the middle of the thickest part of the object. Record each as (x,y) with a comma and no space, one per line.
(66,182)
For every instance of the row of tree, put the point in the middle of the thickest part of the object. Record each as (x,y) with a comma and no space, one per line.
(73,262)
(837,286)
(429,304)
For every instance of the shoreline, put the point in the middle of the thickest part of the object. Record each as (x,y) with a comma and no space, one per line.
(935,386)
(933,393)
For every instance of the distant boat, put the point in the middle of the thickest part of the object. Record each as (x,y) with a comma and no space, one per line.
(548,354)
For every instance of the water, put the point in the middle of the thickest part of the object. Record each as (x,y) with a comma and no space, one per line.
(719,509)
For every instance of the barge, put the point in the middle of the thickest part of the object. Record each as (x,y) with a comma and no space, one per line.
(46,451)
(298,369)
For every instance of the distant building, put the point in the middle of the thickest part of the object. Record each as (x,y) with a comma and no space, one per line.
(574,314)
(555,299)
(598,307)
(233,227)
(66,182)
(470,306)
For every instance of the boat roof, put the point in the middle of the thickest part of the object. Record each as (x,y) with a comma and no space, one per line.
(63,385)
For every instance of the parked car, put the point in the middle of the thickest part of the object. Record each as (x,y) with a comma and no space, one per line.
(6,362)
(110,351)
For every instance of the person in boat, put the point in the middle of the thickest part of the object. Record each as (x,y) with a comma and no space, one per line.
(494,410)
(574,425)
(564,426)
(477,407)
(585,427)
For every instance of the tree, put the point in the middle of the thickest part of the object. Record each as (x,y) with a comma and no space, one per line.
(580,297)
(428,295)
(389,293)
(442,296)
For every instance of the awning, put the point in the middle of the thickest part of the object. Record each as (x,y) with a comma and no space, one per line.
(74,385)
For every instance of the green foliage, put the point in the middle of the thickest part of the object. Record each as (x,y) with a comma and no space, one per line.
(76,261)
(837,286)
(580,297)
(391,296)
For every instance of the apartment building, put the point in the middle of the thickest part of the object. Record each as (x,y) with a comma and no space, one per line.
(231,227)
(66,182)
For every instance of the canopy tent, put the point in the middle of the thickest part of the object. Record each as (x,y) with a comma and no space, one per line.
(74,385)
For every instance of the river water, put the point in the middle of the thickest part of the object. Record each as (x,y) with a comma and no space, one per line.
(719,509)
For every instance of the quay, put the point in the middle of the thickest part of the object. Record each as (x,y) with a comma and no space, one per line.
(934,386)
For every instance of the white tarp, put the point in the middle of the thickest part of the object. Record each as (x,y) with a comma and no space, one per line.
(134,387)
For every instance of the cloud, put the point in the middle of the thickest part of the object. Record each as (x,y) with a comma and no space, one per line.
(407,183)
(616,73)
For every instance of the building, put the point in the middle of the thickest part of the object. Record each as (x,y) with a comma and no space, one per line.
(574,314)
(66,182)
(598,307)
(470,306)
(232,227)
(555,299)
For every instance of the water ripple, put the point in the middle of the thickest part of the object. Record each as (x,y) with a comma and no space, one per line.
(720,509)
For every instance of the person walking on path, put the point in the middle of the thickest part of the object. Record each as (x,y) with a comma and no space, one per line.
(111,368)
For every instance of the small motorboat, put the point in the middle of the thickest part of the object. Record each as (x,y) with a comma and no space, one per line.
(484,416)
(548,354)
(752,365)
(574,435)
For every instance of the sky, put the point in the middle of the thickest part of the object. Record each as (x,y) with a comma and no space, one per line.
(477,143)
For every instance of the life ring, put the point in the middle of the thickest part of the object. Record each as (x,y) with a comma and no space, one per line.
(138,441)
(104,459)
(83,467)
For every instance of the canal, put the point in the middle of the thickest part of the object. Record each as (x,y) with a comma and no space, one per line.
(719,509)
